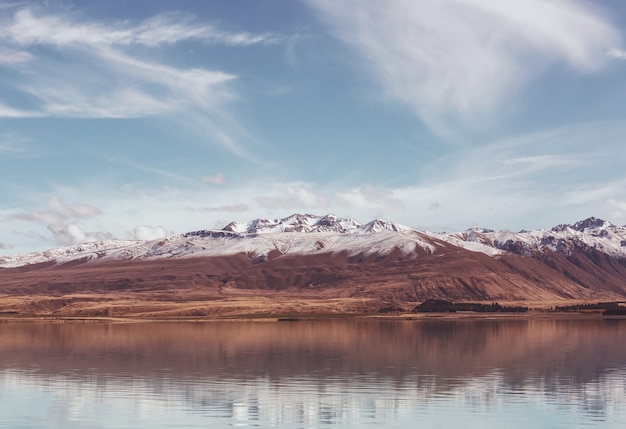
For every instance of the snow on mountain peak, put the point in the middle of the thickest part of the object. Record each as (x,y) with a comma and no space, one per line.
(296,223)
(331,223)
(236,227)
(591,225)
(378,225)
(306,233)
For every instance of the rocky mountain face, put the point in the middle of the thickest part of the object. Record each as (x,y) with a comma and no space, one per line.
(588,257)
(326,257)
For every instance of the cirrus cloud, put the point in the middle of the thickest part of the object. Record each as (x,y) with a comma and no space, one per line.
(457,60)
(28,28)
(110,80)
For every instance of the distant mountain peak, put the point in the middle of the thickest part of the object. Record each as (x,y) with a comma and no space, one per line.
(305,255)
(590,225)
(379,225)
(305,233)
(298,223)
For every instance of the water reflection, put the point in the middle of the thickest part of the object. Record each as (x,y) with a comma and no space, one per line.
(531,373)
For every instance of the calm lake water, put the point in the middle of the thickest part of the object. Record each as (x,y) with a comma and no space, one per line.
(321,374)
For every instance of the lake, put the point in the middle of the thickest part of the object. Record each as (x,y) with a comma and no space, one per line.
(315,374)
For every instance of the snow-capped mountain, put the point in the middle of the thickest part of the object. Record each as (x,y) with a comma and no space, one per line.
(306,233)
(299,233)
(312,223)
(589,234)
(374,265)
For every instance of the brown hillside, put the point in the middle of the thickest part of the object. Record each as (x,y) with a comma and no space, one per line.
(286,284)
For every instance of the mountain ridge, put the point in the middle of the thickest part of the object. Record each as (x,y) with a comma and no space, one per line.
(592,232)
(307,263)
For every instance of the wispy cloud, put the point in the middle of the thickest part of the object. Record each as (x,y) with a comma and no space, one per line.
(227,208)
(109,79)
(10,112)
(63,222)
(217,179)
(12,56)
(113,84)
(13,144)
(143,167)
(370,197)
(554,174)
(289,196)
(526,181)
(456,61)
(617,53)
(27,28)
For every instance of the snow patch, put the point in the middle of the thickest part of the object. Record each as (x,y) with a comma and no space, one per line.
(310,234)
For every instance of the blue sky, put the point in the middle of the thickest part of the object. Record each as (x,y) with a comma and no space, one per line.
(140,119)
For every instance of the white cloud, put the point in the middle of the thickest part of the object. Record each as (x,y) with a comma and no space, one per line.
(75,212)
(44,217)
(528,181)
(290,196)
(371,198)
(111,84)
(63,222)
(617,53)
(12,56)
(459,59)
(29,29)
(145,232)
(10,112)
(218,179)
(109,80)
(67,235)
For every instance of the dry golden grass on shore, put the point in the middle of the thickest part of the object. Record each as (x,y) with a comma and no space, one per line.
(81,308)
(84,305)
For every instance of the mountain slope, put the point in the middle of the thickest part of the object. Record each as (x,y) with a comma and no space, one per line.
(305,258)
(590,253)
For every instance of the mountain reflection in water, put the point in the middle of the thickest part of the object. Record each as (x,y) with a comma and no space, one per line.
(526,373)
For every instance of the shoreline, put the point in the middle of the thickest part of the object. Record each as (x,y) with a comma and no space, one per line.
(291,318)
(134,307)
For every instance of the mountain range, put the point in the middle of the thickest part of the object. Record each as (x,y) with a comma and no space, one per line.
(305,261)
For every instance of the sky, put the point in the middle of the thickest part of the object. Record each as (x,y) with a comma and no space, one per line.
(141,119)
